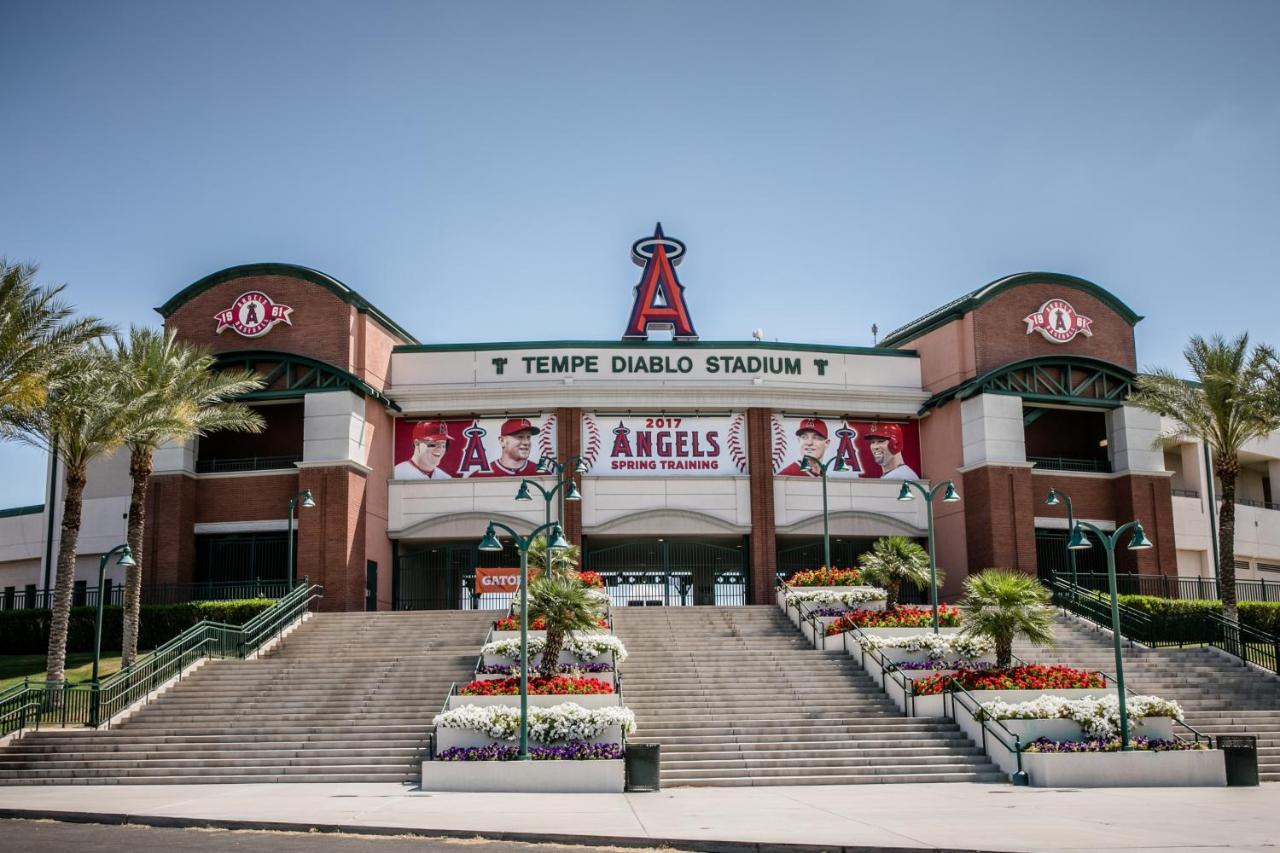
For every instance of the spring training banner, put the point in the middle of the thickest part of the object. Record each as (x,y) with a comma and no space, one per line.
(441,449)
(888,450)
(664,445)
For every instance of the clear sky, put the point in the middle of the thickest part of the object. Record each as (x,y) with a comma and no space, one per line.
(479,170)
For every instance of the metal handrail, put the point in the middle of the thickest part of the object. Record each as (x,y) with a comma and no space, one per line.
(974,708)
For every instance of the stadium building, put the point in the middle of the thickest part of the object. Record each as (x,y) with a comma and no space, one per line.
(692,487)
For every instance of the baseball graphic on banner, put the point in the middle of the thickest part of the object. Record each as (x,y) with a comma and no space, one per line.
(665,445)
(453,449)
(885,450)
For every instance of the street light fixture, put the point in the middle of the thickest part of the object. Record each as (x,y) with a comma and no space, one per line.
(807,464)
(126,560)
(556,542)
(1057,498)
(307,502)
(949,496)
(1137,542)
(565,485)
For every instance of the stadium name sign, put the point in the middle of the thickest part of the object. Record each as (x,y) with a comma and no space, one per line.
(620,365)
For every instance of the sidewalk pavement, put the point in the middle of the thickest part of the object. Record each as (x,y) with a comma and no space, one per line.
(885,817)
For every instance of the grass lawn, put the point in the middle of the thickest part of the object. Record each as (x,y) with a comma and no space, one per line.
(13,668)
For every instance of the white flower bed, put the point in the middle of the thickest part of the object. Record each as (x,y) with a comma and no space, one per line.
(937,646)
(582,646)
(1098,716)
(849,597)
(568,721)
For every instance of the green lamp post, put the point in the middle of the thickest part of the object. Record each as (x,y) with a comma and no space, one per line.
(307,502)
(1054,499)
(549,465)
(126,560)
(950,496)
(565,487)
(1138,542)
(557,543)
(838,464)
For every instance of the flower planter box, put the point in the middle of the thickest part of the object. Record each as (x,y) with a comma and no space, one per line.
(565,657)
(933,706)
(798,613)
(603,776)
(447,738)
(1156,728)
(906,632)
(606,677)
(515,635)
(590,700)
(1135,769)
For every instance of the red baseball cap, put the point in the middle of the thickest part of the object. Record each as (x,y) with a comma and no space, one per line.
(813,425)
(430,431)
(891,433)
(511,426)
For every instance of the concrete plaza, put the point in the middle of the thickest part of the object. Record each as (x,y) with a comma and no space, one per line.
(884,817)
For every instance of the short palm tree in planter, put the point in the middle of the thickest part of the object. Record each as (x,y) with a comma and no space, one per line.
(1002,605)
(893,561)
(566,606)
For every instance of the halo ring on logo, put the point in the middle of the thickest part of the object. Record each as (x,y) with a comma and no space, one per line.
(642,250)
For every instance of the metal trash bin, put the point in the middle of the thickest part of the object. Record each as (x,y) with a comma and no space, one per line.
(642,763)
(1241,755)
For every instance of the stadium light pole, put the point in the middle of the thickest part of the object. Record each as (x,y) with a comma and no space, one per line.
(307,502)
(556,543)
(126,560)
(950,496)
(1137,542)
(1054,499)
(838,464)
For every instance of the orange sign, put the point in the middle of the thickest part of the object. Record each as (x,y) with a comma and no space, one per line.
(497,580)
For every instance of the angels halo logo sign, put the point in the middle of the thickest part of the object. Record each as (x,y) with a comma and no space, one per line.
(252,315)
(1058,322)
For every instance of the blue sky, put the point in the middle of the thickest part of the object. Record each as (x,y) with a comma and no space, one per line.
(480,170)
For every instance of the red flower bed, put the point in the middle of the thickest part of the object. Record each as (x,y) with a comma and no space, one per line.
(826,577)
(898,617)
(512,623)
(1030,677)
(591,579)
(538,686)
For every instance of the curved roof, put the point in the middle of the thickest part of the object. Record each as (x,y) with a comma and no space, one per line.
(970,301)
(319,375)
(328,282)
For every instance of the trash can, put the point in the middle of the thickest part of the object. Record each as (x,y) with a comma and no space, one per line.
(1241,754)
(642,762)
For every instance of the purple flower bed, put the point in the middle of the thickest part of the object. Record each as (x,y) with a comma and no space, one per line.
(573,750)
(1109,745)
(514,668)
(830,611)
(941,664)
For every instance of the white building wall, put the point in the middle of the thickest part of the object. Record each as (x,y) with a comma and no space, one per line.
(1134,440)
(992,430)
(856,507)
(334,429)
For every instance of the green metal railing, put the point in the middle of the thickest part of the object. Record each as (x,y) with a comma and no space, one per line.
(1175,586)
(36,703)
(156,593)
(1067,463)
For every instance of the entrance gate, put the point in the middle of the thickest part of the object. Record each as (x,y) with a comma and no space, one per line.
(670,572)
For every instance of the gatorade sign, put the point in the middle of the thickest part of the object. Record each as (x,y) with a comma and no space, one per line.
(497,580)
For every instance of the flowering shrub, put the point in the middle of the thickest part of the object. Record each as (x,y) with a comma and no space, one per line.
(512,623)
(574,750)
(591,579)
(831,596)
(1098,716)
(825,577)
(539,686)
(942,664)
(582,646)
(1031,677)
(898,617)
(939,646)
(568,721)
(1110,745)
(576,668)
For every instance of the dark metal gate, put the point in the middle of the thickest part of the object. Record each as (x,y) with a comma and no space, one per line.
(670,572)
(845,554)
(442,576)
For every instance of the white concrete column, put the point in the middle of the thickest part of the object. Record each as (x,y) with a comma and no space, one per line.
(991,429)
(1273,471)
(1192,467)
(334,428)
(1133,440)
(174,458)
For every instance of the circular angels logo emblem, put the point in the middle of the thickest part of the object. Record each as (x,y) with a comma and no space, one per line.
(1058,322)
(252,315)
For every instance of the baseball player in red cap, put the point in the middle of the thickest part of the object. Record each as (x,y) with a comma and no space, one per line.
(430,441)
(885,443)
(516,441)
(814,440)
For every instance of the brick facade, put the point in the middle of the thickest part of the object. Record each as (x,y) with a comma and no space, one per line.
(764,542)
(1000,518)
(569,445)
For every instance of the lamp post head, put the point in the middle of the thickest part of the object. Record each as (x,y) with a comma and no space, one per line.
(126,558)
(523,493)
(581,467)
(546,464)
(572,493)
(805,465)
(904,494)
(950,496)
(1139,542)
(1078,542)
(307,500)
(558,542)
(840,464)
(1052,499)
(490,541)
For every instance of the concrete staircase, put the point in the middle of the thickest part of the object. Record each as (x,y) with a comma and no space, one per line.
(347,697)
(1219,696)
(737,697)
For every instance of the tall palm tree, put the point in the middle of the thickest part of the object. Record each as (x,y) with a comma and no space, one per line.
(1235,398)
(183,398)
(893,561)
(566,606)
(1003,604)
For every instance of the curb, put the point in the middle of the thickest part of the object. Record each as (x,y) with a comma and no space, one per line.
(700,845)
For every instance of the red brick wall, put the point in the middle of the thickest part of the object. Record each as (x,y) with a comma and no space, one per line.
(372,358)
(764,543)
(254,498)
(568,445)
(331,535)
(1149,500)
(1091,497)
(380,427)
(169,546)
(1000,518)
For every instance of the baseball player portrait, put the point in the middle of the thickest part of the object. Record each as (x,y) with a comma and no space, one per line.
(515,440)
(814,441)
(430,441)
(885,442)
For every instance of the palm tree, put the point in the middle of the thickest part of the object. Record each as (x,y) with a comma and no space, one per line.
(1003,604)
(566,606)
(563,560)
(1235,398)
(893,561)
(184,398)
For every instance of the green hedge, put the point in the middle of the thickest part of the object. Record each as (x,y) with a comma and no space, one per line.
(26,632)
(1167,612)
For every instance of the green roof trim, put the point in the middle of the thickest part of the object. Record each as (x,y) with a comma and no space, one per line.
(34,509)
(970,301)
(328,282)
(677,345)
(1115,380)
(321,376)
